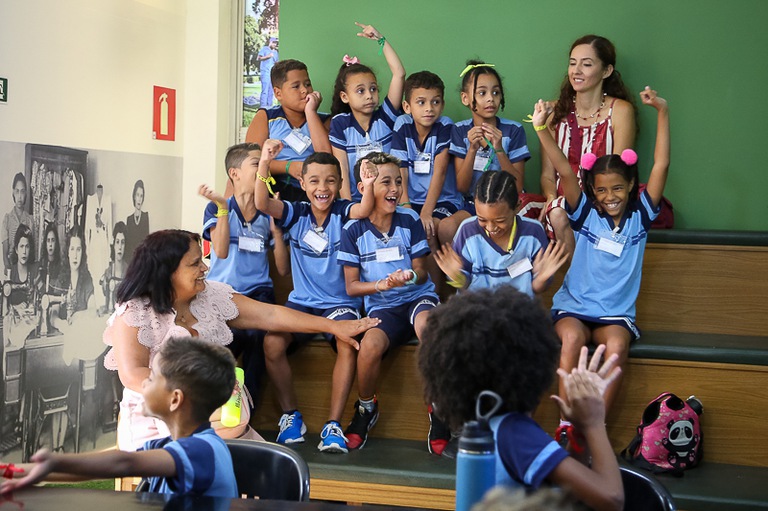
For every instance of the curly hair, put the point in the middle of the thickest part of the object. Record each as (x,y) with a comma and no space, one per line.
(495,339)
(612,164)
(345,71)
(473,75)
(612,86)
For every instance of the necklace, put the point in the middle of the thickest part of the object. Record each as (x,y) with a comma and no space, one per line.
(588,117)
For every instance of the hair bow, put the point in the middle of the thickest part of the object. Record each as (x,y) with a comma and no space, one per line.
(350,60)
(470,67)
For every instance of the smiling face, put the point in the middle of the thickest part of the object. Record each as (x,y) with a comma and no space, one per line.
(189,277)
(246,173)
(75,253)
(425,106)
(322,183)
(497,218)
(612,194)
(293,93)
(487,96)
(361,93)
(388,187)
(585,69)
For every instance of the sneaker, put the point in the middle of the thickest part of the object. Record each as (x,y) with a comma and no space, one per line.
(439,434)
(452,449)
(292,428)
(332,438)
(362,422)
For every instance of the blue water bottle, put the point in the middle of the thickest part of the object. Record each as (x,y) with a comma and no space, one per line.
(476,460)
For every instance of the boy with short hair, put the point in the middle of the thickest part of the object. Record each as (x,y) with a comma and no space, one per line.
(384,261)
(295,122)
(314,231)
(188,380)
(240,237)
(421,140)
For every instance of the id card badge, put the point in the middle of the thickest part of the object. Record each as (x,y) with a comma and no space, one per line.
(298,141)
(317,241)
(422,164)
(518,268)
(361,151)
(389,249)
(611,242)
(250,244)
(481,160)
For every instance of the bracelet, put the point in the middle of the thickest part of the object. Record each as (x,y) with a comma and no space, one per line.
(404,204)
(9,469)
(540,128)
(269,181)
(376,286)
(288,168)
(498,151)
(221,212)
(381,42)
(413,279)
(459,283)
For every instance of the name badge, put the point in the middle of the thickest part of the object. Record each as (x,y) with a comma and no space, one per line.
(362,151)
(480,162)
(520,267)
(385,255)
(250,244)
(315,241)
(422,164)
(297,141)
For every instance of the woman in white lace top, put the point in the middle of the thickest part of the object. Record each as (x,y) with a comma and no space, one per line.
(165,294)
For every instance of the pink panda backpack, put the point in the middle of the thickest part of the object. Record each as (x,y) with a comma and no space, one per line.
(669,438)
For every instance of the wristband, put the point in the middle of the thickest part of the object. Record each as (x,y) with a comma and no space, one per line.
(459,283)
(540,128)
(269,181)
(413,279)
(288,168)
(9,469)
(381,42)
(221,212)
(498,151)
(404,204)
(376,286)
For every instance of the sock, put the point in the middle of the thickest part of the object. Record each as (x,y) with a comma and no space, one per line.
(368,403)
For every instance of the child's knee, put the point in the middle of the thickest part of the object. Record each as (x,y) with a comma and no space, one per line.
(275,345)
(373,346)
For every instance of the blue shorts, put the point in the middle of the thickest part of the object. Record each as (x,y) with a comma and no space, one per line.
(469,205)
(593,323)
(442,209)
(397,322)
(334,313)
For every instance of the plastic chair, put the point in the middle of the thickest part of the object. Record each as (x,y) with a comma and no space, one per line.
(269,471)
(642,492)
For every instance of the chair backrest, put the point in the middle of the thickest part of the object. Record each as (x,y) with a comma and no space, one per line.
(643,492)
(269,471)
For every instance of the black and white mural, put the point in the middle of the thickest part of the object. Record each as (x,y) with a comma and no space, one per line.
(70,222)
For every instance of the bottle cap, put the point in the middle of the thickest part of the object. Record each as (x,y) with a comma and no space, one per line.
(476,438)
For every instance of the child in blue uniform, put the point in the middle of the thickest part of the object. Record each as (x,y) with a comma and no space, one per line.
(188,380)
(610,221)
(513,352)
(240,237)
(484,141)
(295,122)
(314,231)
(383,258)
(360,125)
(499,247)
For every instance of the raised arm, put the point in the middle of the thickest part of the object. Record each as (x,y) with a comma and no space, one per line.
(624,128)
(568,179)
(220,231)
(395,92)
(658,178)
(368,174)
(261,198)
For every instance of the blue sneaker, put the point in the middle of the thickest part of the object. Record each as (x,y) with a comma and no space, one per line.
(332,438)
(292,428)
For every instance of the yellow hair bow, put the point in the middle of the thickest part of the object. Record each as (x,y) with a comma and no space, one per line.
(473,66)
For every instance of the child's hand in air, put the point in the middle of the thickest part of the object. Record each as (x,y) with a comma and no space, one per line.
(313,99)
(270,149)
(368,31)
(368,174)
(211,194)
(541,112)
(548,261)
(603,375)
(493,134)
(450,262)
(651,97)
(585,407)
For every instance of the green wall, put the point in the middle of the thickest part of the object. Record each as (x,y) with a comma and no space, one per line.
(707,57)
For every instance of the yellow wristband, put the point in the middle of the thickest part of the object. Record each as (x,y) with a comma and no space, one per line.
(540,128)
(222,212)
(269,181)
(459,283)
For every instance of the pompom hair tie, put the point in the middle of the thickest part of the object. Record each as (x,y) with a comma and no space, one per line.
(350,60)
(629,156)
(588,161)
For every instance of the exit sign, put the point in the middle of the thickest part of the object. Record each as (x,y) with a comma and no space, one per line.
(3,90)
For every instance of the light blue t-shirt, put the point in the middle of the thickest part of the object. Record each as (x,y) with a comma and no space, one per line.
(419,159)
(266,65)
(488,265)
(378,254)
(604,278)
(346,133)
(318,280)
(246,267)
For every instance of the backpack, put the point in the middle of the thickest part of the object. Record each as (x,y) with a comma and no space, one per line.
(669,438)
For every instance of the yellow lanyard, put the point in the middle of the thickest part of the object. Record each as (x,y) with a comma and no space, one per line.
(512,234)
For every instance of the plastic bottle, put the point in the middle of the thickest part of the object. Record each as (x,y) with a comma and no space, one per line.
(230,412)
